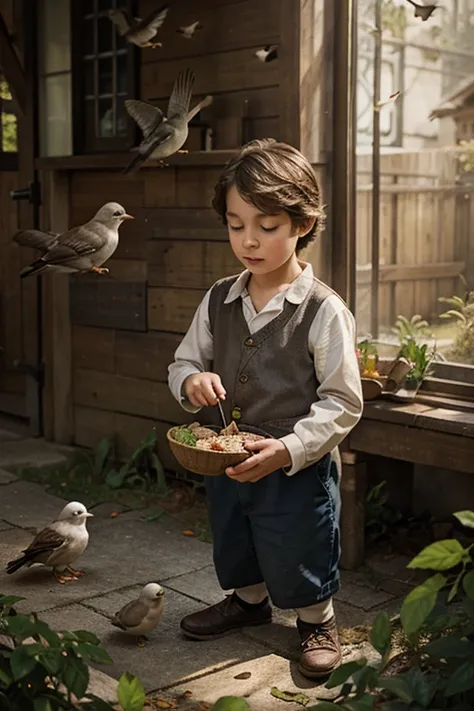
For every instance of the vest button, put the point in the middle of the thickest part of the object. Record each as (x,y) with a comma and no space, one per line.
(248,341)
(244,378)
(236,413)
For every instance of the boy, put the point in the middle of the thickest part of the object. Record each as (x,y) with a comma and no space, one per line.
(277,347)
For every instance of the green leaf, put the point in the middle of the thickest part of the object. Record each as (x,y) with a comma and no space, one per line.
(47,633)
(447,647)
(94,653)
(156,515)
(43,704)
(296,696)
(366,678)
(131,693)
(468,584)
(51,661)
(365,703)
(75,675)
(320,706)
(454,590)
(461,679)
(5,679)
(20,626)
(21,663)
(398,687)
(115,479)
(9,600)
(344,672)
(466,518)
(86,636)
(419,603)
(101,454)
(423,686)
(230,703)
(381,633)
(441,555)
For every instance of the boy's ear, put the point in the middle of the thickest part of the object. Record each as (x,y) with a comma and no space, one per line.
(302,230)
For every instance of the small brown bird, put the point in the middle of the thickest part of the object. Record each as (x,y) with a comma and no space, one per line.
(59,544)
(164,135)
(138,31)
(141,615)
(423,11)
(188,30)
(81,249)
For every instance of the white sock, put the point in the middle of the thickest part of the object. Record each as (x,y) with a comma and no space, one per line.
(253,594)
(316,614)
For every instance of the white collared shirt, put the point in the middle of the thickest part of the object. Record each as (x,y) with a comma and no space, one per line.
(331,340)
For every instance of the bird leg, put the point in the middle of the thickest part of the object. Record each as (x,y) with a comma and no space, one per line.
(141,640)
(62,578)
(79,573)
(162,164)
(183,151)
(153,45)
(99,270)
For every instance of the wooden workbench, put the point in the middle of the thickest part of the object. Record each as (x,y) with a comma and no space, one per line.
(415,432)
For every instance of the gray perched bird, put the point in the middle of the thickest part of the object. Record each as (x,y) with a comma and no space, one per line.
(423,11)
(59,544)
(141,615)
(81,249)
(139,31)
(164,135)
(188,30)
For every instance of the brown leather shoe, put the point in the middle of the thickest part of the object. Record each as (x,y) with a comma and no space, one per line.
(222,618)
(320,648)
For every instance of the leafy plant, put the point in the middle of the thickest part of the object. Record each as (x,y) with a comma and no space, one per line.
(44,670)
(367,356)
(463,311)
(95,462)
(380,516)
(410,334)
(416,328)
(143,470)
(440,641)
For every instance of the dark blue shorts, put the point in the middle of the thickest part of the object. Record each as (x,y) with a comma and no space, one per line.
(281,530)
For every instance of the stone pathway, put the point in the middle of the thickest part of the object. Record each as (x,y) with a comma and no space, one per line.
(128,551)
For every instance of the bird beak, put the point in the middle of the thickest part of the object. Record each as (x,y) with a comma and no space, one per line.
(88,514)
(127,217)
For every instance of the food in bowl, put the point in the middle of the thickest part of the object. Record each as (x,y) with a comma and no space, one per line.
(228,441)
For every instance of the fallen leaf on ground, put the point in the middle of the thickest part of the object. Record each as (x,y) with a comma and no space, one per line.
(243,675)
(113,514)
(188,532)
(295,696)
(163,704)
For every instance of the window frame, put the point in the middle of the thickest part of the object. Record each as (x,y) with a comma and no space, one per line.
(82,143)
(8,159)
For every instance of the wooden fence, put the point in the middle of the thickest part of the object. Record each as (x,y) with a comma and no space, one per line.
(426,221)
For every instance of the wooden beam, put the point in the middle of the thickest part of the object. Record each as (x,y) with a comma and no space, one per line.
(411,272)
(11,67)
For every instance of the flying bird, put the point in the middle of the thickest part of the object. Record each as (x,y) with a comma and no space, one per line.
(423,11)
(139,31)
(59,544)
(267,54)
(164,135)
(141,615)
(390,99)
(81,249)
(188,30)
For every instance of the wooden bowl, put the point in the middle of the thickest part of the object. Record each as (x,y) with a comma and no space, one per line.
(203,461)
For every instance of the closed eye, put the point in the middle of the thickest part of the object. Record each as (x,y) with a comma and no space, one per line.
(235,228)
(269,229)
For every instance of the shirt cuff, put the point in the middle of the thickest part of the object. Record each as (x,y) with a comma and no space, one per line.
(297,453)
(183,400)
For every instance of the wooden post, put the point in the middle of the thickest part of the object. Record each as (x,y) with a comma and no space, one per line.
(58,410)
(353,493)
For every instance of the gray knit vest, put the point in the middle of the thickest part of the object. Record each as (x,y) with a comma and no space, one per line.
(269,375)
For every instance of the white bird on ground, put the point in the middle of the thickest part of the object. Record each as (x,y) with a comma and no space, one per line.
(59,544)
(81,249)
(139,31)
(143,614)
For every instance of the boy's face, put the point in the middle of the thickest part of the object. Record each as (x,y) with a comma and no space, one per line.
(263,243)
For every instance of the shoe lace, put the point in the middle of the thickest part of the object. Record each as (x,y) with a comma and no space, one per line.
(320,637)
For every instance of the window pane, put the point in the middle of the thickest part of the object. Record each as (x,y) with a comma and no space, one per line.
(122,74)
(121,116)
(104,5)
(105,28)
(106,75)
(89,117)
(106,118)
(54,31)
(55,115)
(8,132)
(88,30)
(87,7)
(89,78)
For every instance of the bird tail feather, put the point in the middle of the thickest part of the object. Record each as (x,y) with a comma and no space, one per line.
(134,164)
(34,268)
(15,565)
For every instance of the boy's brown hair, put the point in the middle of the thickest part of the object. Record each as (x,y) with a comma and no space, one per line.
(273,176)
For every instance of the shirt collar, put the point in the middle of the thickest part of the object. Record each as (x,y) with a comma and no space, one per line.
(295,293)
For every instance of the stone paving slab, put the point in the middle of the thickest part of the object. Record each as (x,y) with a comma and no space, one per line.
(32,452)
(4,525)
(7,477)
(8,436)
(28,505)
(168,658)
(120,554)
(363,597)
(201,585)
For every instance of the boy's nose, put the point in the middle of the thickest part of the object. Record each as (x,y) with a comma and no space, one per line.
(249,240)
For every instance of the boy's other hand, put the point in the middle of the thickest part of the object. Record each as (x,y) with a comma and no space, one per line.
(270,455)
(204,389)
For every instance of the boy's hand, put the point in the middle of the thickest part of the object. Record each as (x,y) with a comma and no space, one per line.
(270,455)
(203,389)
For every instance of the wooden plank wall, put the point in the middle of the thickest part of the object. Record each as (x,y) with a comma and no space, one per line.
(222,54)
(425,235)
